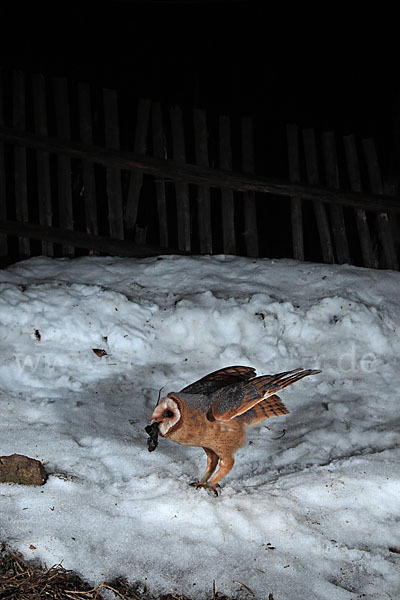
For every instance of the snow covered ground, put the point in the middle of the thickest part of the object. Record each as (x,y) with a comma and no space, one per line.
(310,514)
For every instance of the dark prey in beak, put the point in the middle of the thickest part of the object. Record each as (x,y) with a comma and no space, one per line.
(152,431)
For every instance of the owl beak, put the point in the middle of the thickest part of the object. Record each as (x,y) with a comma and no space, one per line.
(157,416)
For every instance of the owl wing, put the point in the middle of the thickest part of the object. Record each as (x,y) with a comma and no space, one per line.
(220,379)
(232,401)
(271,407)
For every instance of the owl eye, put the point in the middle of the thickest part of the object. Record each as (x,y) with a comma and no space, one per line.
(168,414)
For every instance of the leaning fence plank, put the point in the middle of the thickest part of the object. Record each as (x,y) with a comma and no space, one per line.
(159,150)
(203,191)
(384,228)
(3,199)
(181,187)
(88,176)
(319,209)
(81,239)
(20,174)
(42,159)
(292,133)
(228,208)
(136,178)
(216,178)
(61,102)
(249,198)
(353,169)
(336,212)
(114,187)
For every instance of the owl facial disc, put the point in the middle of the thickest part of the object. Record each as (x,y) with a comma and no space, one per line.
(166,414)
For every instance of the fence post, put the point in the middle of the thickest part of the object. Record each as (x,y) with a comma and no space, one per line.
(384,229)
(42,159)
(353,169)
(160,151)
(249,198)
(319,208)
(391,179)
(114,186)
(227,198)
(182,188)
(88,175)
(66,220)
(336,212)
(136,177)
(21,185)
(203,191)
(292,133)
(3,205)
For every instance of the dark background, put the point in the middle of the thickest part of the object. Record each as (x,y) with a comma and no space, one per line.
(327,67)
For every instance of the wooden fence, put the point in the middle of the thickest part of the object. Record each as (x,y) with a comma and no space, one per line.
(72,178)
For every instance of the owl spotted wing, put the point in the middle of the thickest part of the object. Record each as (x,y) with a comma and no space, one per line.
(232,401)
(270,407)
(220,379)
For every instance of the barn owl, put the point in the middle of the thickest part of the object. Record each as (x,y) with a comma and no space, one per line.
(214,412)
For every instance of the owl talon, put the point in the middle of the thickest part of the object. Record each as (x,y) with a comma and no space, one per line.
(208,486)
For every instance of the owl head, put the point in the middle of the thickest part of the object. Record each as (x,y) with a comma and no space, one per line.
(167,414)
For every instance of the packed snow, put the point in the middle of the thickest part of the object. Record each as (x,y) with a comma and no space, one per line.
(311,508)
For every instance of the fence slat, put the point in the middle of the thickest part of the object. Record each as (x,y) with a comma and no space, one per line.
(114,185)
(203,191)
(88,176)
(61,102)
(3,197)
(159,150)
(42,159)
(336,212)
(392,178)
(139,147)
(228,207)
(310,150)
(249,198)
(391,184)
(21,184)
(292,133)
(353,169)
(182,188)
(384,228)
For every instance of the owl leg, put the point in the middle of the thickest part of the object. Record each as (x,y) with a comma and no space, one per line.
(225,465)
(212,461)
